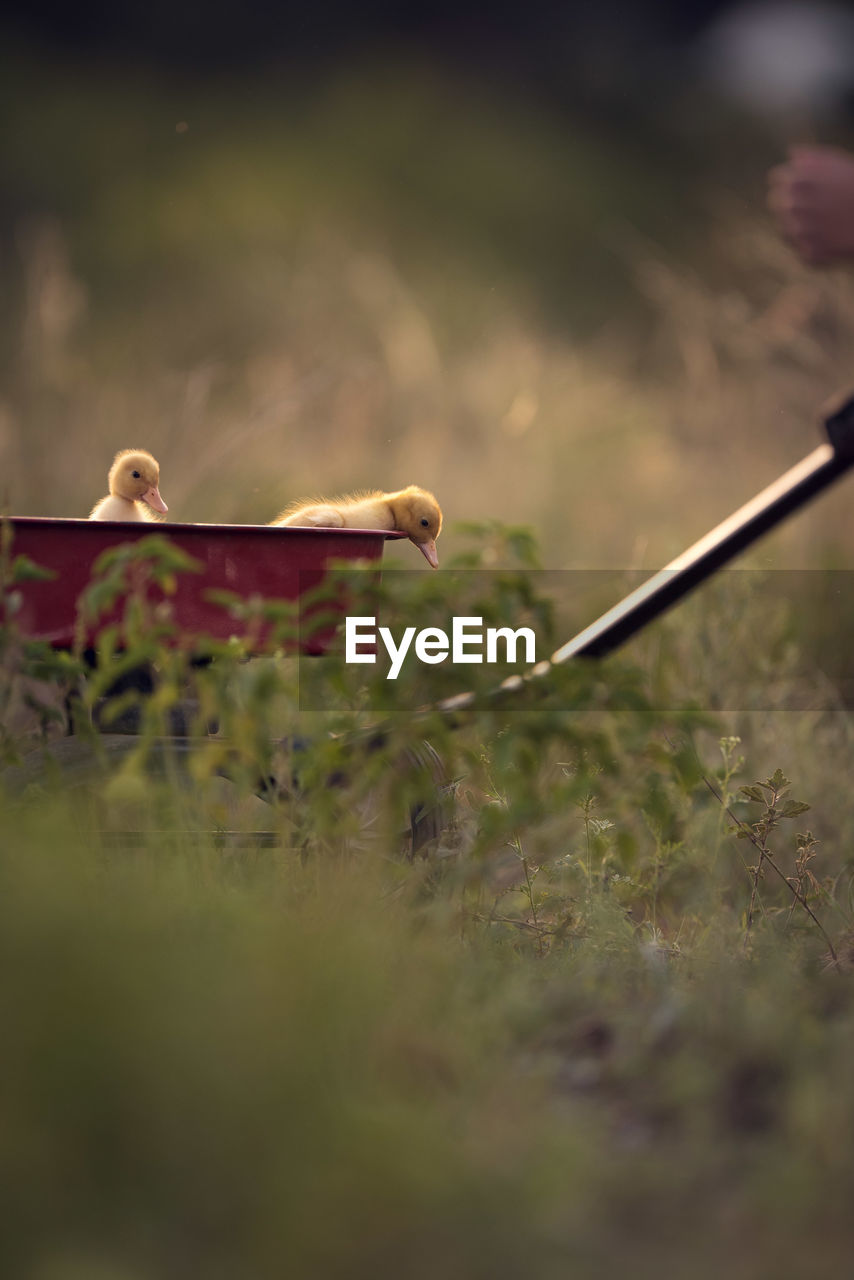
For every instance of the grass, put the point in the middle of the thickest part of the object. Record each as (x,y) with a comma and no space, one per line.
(277,304)
(586,1029)
(218,1064)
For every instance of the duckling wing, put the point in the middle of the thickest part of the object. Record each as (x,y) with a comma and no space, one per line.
(322,516)
(372,512)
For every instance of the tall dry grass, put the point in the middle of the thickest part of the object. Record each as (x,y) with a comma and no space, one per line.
(253,306)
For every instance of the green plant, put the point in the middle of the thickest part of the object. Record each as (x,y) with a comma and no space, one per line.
(776,807)
(35,680)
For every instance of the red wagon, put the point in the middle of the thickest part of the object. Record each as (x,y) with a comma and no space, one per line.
(272,564)
(245,560)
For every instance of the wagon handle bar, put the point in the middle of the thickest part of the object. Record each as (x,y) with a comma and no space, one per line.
(791,491)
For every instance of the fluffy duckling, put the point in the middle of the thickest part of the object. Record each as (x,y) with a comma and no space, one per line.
(133,480)
(413,511)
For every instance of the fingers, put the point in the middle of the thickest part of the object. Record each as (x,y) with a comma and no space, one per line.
(783,202)
(791,200)
(811,198)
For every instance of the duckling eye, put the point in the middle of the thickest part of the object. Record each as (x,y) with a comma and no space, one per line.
(135,475)
(424,522)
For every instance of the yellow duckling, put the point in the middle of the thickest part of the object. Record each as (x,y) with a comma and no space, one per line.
(413,511)
(133,480)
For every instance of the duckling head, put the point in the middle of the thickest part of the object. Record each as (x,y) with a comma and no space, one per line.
(135,476)
(418,514)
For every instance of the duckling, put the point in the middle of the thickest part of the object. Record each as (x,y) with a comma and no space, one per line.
(133,480)
(413,511)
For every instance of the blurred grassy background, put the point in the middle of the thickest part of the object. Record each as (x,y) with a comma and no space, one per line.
(387,272)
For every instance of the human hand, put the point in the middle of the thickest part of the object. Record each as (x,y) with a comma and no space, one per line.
(812,199)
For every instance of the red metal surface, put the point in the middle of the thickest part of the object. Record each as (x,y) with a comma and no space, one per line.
(249,560)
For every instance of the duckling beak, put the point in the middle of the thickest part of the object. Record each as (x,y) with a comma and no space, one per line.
(428,551)
(153,498)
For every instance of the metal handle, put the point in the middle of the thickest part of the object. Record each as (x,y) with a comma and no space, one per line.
(786,495)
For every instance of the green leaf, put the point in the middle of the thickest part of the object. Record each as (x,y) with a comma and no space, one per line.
(26,570)
(793,807)
(219,596)
(166,555)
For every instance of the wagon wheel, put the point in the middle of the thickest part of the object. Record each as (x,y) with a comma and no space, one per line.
(77,762)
